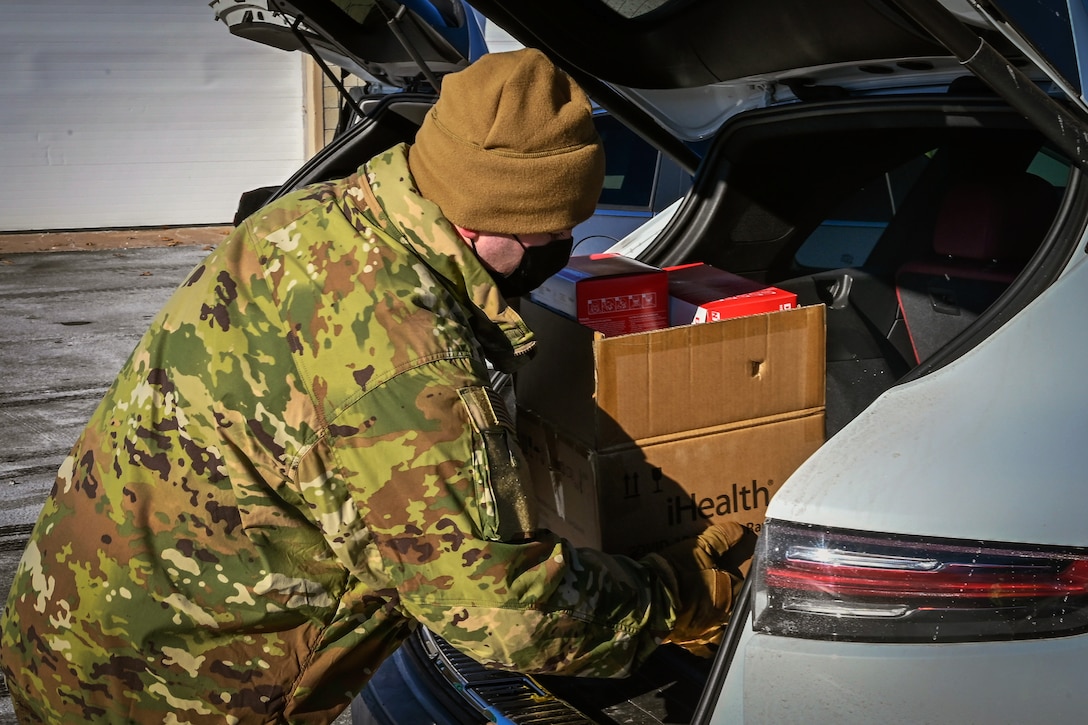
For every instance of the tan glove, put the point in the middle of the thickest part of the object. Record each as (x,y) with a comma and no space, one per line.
(705,591)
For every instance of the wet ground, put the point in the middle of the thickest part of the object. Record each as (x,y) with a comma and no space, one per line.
(72,307)
(68,320)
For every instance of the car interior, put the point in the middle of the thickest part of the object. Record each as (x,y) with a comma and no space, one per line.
(909,219)
(907,226)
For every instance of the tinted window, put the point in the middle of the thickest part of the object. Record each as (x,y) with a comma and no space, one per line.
(1046,23)
(848,235)
(630,165)
(1048,166)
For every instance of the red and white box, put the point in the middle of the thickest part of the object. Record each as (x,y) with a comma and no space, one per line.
(701,293)
(609,293)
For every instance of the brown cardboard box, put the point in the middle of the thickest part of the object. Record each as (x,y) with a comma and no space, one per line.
(640,440)
(609,391)
(637,498)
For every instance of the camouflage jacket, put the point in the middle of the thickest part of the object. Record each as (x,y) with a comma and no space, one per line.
(297,464)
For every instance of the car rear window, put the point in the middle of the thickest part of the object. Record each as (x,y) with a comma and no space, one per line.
(630,165)
(848,235)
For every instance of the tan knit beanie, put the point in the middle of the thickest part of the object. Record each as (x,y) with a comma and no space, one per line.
(510,147)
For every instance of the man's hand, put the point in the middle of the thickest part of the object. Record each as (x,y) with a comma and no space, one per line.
(705,591)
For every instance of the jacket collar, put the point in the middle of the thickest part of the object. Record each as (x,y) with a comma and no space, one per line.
(384,187)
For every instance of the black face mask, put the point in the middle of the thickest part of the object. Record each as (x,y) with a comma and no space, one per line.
(537,264)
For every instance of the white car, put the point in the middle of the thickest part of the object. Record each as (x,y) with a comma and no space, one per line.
(916,166)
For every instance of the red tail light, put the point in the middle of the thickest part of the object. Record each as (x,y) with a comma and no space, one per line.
(834,584)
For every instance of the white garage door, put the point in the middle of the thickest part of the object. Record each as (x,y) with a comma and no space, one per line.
(128,113)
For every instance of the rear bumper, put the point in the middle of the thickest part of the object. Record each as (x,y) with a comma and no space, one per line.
(779,679)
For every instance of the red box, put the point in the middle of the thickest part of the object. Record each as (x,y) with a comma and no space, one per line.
(701,293)
(609,293)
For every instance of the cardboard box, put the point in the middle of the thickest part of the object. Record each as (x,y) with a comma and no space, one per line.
(699,293)
(641,440)
(636,499)
(608,293)
(609,391)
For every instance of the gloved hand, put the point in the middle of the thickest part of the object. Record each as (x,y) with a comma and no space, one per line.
(705,592)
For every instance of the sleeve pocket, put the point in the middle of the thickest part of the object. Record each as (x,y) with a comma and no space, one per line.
(503,488)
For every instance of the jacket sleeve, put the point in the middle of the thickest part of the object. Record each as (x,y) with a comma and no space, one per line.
(436,507)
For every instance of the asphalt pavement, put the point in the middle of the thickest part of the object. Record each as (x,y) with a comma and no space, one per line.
(68,321)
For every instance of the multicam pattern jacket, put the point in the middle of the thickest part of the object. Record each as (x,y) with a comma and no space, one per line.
(298,463)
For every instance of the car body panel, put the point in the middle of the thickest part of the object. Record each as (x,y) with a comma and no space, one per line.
(780,680)
(1030,406)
